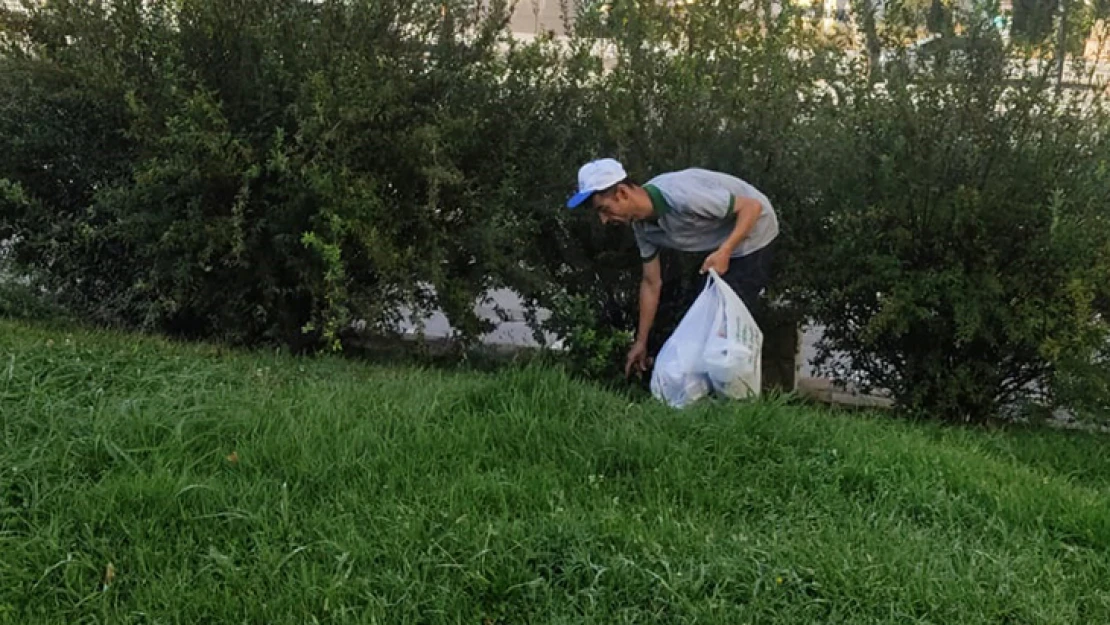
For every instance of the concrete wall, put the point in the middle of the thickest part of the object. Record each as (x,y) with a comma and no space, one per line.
(513,332)
(501,306)
(536,16)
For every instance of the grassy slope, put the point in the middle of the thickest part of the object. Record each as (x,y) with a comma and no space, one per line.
(363,494)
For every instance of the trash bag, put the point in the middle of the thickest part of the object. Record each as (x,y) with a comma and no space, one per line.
(678,377)
(733,351)
(717,347)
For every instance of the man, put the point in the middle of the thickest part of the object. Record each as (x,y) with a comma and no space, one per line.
(693,210)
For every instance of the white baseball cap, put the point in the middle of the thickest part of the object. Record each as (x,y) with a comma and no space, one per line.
(596,176)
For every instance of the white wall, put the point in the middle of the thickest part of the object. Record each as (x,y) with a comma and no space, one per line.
(535,16)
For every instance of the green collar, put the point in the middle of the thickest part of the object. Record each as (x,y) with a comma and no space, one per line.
(659,204)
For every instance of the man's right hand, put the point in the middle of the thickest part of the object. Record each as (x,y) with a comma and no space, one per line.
(637,359)
(650,284)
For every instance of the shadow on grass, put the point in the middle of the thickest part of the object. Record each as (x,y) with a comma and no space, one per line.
(22,303)
(447,356)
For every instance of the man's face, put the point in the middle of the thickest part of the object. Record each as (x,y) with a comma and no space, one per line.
(614,206)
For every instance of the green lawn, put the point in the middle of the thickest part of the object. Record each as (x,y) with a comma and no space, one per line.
(248,488)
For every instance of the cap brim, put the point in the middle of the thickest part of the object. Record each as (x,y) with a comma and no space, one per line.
(578,198)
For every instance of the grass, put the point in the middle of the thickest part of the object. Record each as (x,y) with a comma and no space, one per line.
(255,488)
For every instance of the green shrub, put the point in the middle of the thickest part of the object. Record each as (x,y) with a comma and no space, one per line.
(698,85)
(276,169)
(273,170)
(965,243)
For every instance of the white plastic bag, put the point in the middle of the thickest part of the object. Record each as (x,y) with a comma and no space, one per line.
(716,347)
(679,378)
(734,349)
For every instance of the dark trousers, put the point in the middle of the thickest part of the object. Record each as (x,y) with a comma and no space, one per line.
(748,276)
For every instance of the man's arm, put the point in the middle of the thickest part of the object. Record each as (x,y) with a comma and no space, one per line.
(747,211)
(651,284)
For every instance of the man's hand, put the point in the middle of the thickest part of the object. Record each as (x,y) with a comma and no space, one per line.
(637,359)
(717,260)
(747,212)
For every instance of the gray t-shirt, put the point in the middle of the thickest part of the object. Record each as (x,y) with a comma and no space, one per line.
(694,213)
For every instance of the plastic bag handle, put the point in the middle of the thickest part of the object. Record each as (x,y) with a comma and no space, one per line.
(714,278)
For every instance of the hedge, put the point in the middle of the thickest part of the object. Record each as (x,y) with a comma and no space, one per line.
(268,171)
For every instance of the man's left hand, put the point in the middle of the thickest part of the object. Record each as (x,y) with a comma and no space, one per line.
(717,260)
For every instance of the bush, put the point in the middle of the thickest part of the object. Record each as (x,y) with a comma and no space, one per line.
(276,169)
(271,171)
(965,240)
(697,85)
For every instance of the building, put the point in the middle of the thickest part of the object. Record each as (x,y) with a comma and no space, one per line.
(536,16)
